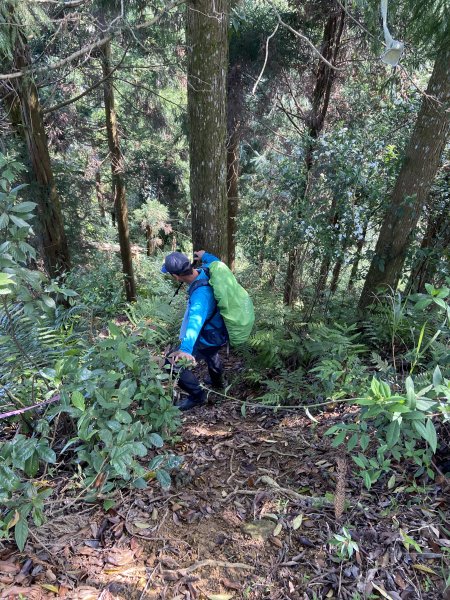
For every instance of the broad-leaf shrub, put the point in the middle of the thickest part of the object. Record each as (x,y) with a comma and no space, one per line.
(394,426)
(112,402)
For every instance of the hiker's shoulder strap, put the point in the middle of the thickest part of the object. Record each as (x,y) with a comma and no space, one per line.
(198,283)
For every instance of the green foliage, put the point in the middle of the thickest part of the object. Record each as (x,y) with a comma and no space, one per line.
(394,425)
(345,546)
(116,401)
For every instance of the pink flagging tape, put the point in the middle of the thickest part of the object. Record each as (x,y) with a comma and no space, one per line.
(22,410)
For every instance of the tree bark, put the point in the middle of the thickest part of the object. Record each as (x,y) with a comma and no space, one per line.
(52,237)
(422,159)
(207,53)
(117,170)
(434,245)
(235,102)
(355,265)
(100,194)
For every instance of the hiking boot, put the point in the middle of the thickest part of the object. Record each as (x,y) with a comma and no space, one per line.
(190,402)
(218,385)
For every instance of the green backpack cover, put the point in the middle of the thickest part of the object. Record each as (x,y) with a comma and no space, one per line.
(235,305)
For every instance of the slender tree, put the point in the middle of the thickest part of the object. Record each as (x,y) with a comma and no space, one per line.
(207,49)
(117,170)
(234,125)
(324,80)
(26,113)
(419,168)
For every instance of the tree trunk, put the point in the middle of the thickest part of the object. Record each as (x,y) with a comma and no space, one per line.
(325,77)
(52,237)
(233,198)
(235,100)
(207,50)
(117,169)
(359,247)
(435,244)
(100,195)
(413,183)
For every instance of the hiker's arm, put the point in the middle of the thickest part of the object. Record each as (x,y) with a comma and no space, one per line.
(199,311)
(206,257)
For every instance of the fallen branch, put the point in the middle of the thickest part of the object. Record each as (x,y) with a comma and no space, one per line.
(213,563)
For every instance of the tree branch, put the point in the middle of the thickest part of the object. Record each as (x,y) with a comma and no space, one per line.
(89,48)
(265,60)
(303,37)
(87,91)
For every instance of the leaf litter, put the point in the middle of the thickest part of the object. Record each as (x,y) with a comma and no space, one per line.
(250,515)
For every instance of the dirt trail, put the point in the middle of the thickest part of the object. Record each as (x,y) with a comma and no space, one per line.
(249,516)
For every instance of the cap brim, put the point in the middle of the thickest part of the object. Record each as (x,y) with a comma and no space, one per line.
(163,269)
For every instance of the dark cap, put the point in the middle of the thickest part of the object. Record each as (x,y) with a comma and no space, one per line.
(176,263)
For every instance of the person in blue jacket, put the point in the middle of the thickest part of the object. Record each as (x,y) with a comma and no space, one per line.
(203,331)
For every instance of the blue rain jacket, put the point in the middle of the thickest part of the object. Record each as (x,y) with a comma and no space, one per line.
(202,323)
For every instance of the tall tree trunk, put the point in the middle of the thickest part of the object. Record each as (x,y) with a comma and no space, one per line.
(100,194)
(117,169)
(435,244)
(413,183)
(325,77)
(235,101)
(232,194)
(355,265)
(207,49)
(52,237)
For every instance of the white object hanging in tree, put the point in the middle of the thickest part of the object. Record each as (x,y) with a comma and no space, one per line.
(394,48)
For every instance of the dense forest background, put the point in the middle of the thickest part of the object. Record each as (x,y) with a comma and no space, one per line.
(283,137)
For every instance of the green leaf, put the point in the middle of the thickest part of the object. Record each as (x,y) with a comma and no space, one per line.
(156,440)
(140,484)
(21,533)
(440,303)
(339,439)
(331,430)
(31,466)
(437,376)
(375,386)
(77,400)
(423,303)
(424,405)
(164,479)
(6,279)
(18,221)
(367,480)
(360,460)
(125,356)
(364,441)
(352,442)
(393,433)
(4,220)
(48,301)
(123,416)
(108,503)
(431,435)
(24,207)
(156,462)
(8,479)
(46,453)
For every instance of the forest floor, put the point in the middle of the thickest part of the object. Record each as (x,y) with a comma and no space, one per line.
(250,515)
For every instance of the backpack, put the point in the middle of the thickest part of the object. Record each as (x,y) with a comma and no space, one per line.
(233,302)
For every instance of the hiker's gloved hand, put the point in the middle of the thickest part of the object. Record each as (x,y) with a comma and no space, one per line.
(198,254)
(174,357)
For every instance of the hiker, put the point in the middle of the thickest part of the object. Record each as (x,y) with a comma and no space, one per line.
(202,332)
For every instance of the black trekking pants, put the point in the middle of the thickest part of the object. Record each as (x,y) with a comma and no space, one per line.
(189,383)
